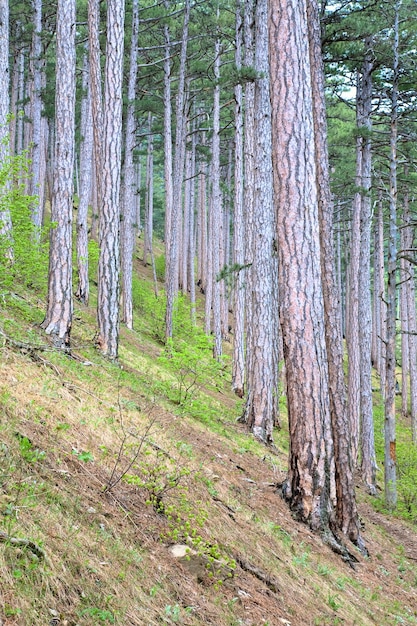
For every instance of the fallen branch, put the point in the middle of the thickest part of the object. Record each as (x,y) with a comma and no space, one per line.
(258,573)
(24,543)
(31,350)
(22,345)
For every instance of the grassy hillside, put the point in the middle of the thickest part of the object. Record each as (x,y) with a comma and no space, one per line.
(105,467)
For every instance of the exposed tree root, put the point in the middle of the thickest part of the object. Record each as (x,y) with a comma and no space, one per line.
(338,547)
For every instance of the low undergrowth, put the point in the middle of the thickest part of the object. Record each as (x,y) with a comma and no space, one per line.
(105,466)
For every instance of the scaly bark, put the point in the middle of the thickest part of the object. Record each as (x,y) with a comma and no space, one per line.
(128,200)
(58,320)
(346,509)
(310,488)
(109,262)
(86,157)
(238,362)
(262,376)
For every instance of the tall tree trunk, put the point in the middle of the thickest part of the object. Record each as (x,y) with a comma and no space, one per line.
(409,275)
(21,96)
(5,219)
(367,441)
(238,362)
(202,223)
(352,338)
(249,170)
(186,234)
(261,380)
(59,310)
(109,263)
(37,126)
(390,455)
(404,323)
(310,487)
(171,274)
(96,107)
(346,510)
(13,102)
(378,286)
(191,247)
(168,170)
(148,221)
(128,204)
(208,303)
(216,205)
(86,157)
(381,296)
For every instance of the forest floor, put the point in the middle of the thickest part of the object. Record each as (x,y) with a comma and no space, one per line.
(104,467)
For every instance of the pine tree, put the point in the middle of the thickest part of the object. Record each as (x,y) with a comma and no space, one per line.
(58,320)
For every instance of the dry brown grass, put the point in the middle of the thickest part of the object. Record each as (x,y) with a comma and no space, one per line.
(107,558)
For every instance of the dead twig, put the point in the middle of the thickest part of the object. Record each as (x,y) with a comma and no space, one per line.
(24,543)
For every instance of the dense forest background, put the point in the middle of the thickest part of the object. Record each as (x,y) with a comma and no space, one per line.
(255,161)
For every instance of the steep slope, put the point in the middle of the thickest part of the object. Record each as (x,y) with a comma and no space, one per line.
(105,467)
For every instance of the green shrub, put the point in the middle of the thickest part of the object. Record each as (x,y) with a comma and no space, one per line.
(160,267)
(407,480)
(29,267)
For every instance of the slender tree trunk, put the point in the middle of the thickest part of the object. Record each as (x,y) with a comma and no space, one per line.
(249,169)
(168,171)
(13,102)
(96,107)
(186,235)
(367,441)
(390,456)
(21,96)
(216,206)
(376,309)
(191,246)
(405,350)
(37,126)
(171,274)
(202,226)
(94,198)
(148,222)
(86,157)
(208,304)
(128,203)
(353,345)
(58,320)
(346,510)
(238,362)
(411,312)
(382,297)
(261,380)
(109,263)
(5,218)
(138,183)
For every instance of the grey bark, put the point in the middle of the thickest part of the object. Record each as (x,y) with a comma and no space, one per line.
(261,377)
(86,158)
(109,261)
(171,277)
(238,361)
(5,219)
(346,509)
(390,455)
(37,126)
(58,320)
(129,220)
